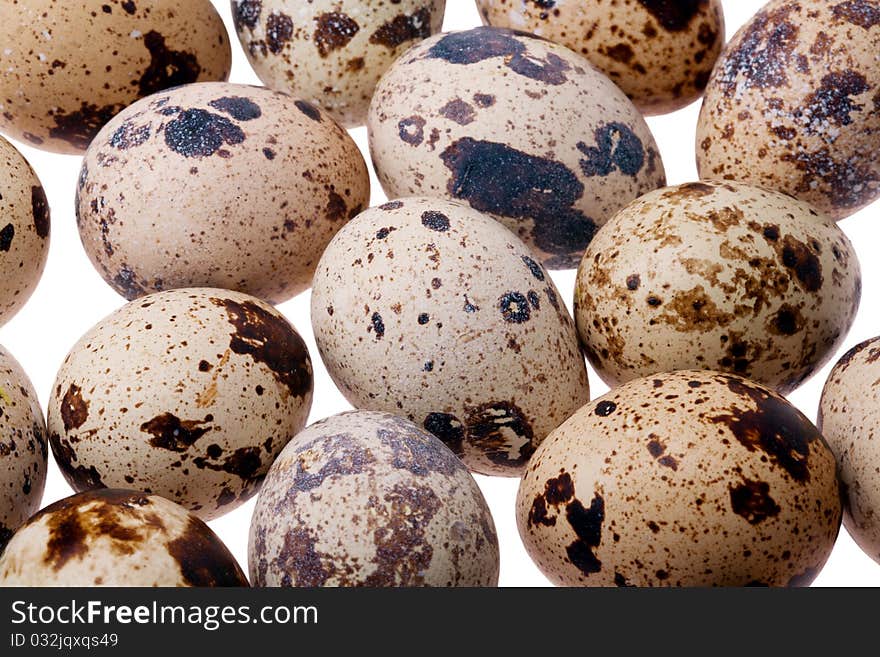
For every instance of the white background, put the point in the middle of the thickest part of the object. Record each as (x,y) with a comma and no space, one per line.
(72,297)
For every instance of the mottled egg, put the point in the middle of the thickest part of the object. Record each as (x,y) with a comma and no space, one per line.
(370,499)
(719,276)
(794,104)
(684,479)
(66,68)
(849,418)
(517,127)
(24,452)
(430,310)
(189,394)
(24,236)
(332,52)
(117,538)
(659,52)
(217,185)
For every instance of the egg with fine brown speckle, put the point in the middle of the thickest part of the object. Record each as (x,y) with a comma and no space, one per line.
(188,394)
(794,104)
(517,127)
(66,68)
(370,499)
(217,185)
(719,276)
(428,309)
(691,478)
(659,52)
(332,52)
(117,538)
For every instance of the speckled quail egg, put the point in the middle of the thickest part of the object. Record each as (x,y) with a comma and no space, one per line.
(659,52)
(332,52)
(120,538)
(430,310)
(217,185)
(189,394)
(719,276)
(794,104)
(23,449)
(24,236)
(517,127)
(370,499)
(684,479)
(66,68)
(849,418)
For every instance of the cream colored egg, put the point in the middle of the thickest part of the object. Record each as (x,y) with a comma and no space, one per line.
(794,104)
(24,451)
(332,52)
(849,418)
(684,479)
(117,538)
(24,231)
(517,127)
(659,52)
(189,394)
(66,68)
(370,499)
(430,310)
(718,276)
(217,185)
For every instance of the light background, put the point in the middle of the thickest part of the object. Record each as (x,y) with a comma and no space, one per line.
(72,297)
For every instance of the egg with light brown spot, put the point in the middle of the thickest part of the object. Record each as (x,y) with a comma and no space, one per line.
(188,394)
(794,104)
(430,310)
(117,538)
(517,127)
(370,499)
(849,420)
(691,478)
(66,68)
(719,276)
(659,52)
(217,185)
(332,52)
(24,231)
(24,451)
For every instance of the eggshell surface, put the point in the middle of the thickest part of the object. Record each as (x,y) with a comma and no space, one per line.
(684,479)
(719,276)
(66,68)
(189,394)
(332,52)
(217,185)
(430,310)
(117,538)
(517,127)
(369,499)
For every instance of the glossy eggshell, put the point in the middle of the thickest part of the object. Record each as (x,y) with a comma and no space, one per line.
(24,231)
(659,53)
(794,104)
(66,68)
(517,127)
(369,499)
(684,479)
(23,449)
(718,276)
(332,52)
(849,418)
(217,185)
(188,394)
(117,538)
(430,310)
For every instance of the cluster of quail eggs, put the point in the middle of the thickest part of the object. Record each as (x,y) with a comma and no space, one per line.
(505,151)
